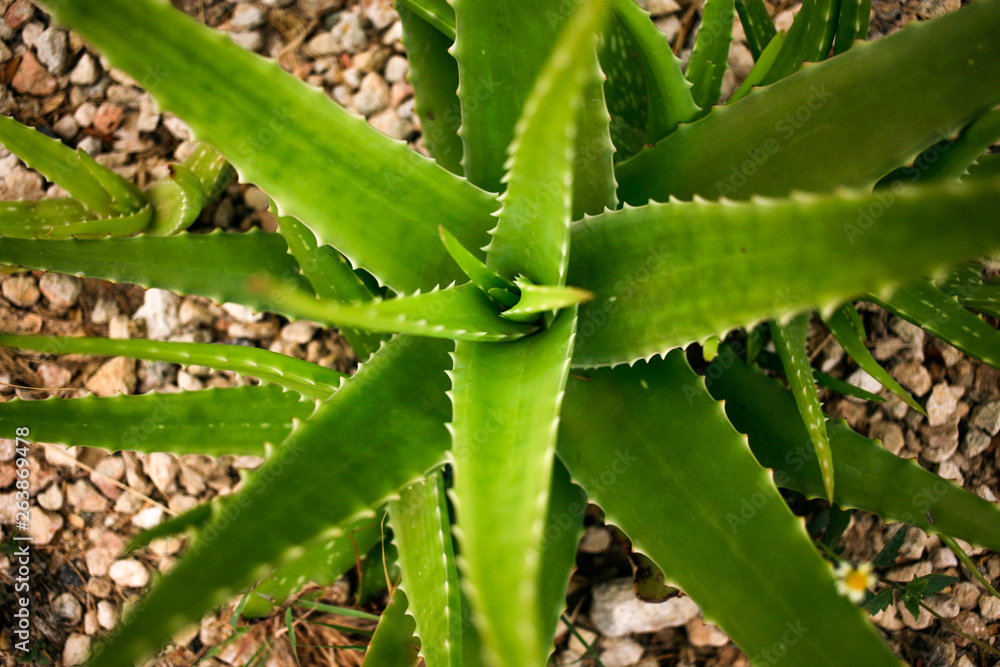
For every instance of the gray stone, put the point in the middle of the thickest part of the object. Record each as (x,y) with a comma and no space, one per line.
(5,53)
(60,289)
(68,609)
(346,35)
(379,12)
(861,378)
(20,183)
(595,540)
(890,434)
(91,145)
(246,17)
(86,72)
(989,607)
(161,469)
(987,417)
(662,7)
(21,291)
(942,403)
(396,69)
(616,611)
(372,96)
(975,443)
(160,311)
(66,127)
(913,376)
(52,48)
(390,124)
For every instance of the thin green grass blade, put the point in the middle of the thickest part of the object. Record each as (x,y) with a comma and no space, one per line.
(759,146)
(757,25)
(434,75)
(852,24)
(332,277)
(790,342)
(321,564)
(671,444)
(393,644)
(668,92)
(757,261)
(312,156)
(770,361)
(869,477)
(383,430)
(532,236)
(217,265)
(28,219)
(845,328)
(506,406)
(422,532)
(57,162)
(458,313)
(808,40)
(711,52)
(942,315)
(232,420)
(310,380)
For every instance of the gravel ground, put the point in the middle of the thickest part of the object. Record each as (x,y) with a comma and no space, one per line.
(87,504)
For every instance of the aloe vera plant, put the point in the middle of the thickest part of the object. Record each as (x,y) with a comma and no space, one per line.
(588,212)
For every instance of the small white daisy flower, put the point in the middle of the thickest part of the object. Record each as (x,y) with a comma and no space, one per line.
(853,582)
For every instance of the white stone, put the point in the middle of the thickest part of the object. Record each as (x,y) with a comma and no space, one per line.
(52,49)
(148,517)
(942,403)
(616,611)
(621,652)
(76,650)
(60,289)
(160,311)
(107,614)
(372,95)
(987,417)
(116,376)
(68,609)
(242,313)
(129,573)
(85,73)
(396,69)
(246,17)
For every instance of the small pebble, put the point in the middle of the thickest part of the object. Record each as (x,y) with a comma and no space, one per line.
(76,650)
(116,376)
(129,573)
(68,609)
(52,47)
(60,289)
(85,73)
(21,290)
(107,614)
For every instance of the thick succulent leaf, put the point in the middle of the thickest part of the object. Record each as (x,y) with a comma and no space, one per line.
(672,446)
(321,564)
(852,24)
(331,277)
(393,644)
(310,380)
(987,166)
(28,219)
(461,312)
(942,315)
(233,420)
(755,261)
(594,185)
(869,477)
(760,68)
(500,49)
(563,529)
(668,93)
(790,342)
(434,75)
(532,236)
(121,225)
(436,12)
(770,361)
(624,89)
(951,158)
(757,25)
(847,328)
(808,40)
(537,299)
(218,265)
(504,291)
(968,286)
(422,532)
(309,154)
(175,525)
(126,198)
(711,52)
(506,408)
(395,406)
(57,162)
(177,201)
(843,108)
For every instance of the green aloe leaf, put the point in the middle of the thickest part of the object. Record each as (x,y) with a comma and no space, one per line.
(434,74)
(233,420)
(770,361)
(760,68)
(175,525)
(537,299)
(332,277)
(671,444)
(459,313)
(436,12)
(668,92)
(594,185)
(503,291)
(393,644)
(58,163)
(869,477)
(790,342)
(757,25)
(122,225)
(987,166)
(624,90)
(506,405)
(422,533)
(28,219)
(968,286)
(847,328)
(852,23)
(126,198)
(767,143)
(808,40)
(218,265)
(281,122)
(711,52)
(942,315)
(310,380)
(762,260)
(395,404)
(177,201)
(321,564)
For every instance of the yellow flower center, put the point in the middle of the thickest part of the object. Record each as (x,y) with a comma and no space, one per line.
(856,580)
